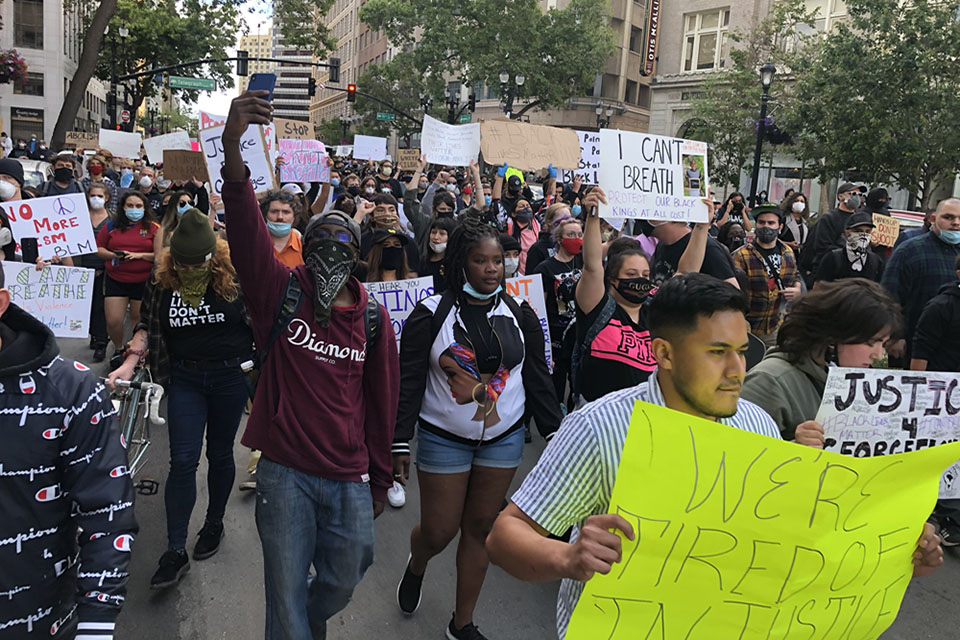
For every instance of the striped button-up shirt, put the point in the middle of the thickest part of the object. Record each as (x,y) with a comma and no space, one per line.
(575,475)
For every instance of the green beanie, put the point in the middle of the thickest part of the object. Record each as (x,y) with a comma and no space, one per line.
(193,241)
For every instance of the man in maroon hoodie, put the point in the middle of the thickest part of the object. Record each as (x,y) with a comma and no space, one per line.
(325,407)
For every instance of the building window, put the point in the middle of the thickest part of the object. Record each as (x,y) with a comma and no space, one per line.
(829,13)
(636,39)
(32,85)
(643,97)
(28,23)
(704,38)
(630,93)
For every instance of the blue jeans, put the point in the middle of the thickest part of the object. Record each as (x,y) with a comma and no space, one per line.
(198,398)
(304,519)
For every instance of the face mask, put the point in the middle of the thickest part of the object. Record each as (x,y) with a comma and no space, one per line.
(853,202)
(164,184)
(487,200)
(353,190)
(133,215)
(766,235)
(7,190)
(798,207)
(606,235)
(335,182)
(736,242)
(387,171)
(452,188)
(330,264)
(392,258)
(146,182)
(634,290)
(950,237)
(63,174)
(738,206)
(438,247)
(859,241)
(444,214)
(385,219)
(422,186)
(576,210)
(22,145)
(510,265)
(573,246)
(647,227)
(523,215)
(97,202)
(369,191)
(95,170)
(513,191)
(473,293)
(182,208)
(193,284)
(279,229)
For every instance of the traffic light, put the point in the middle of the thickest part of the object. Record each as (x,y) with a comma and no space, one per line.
(334,70)
(351,93)
(472,105)
(311,86)
(242,63)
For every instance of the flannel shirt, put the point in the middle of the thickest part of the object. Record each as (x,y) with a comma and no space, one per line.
(151,322)
(766,300)
(916,271)
(111,205)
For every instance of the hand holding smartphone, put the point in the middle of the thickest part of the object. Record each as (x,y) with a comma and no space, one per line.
(263,82)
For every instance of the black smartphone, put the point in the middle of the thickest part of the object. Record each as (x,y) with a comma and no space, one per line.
(120,253)
(263,82)
(29,250)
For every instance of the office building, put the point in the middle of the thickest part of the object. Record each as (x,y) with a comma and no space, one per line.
(257,46)
(290,95)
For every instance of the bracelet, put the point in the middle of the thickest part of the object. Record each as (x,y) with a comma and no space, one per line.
(140,353)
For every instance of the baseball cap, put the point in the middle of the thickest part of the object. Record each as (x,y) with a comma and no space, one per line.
(847,187)
(767,208)
(292,188)
(335,217)
(859,219)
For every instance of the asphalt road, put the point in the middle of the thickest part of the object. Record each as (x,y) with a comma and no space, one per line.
(222,597)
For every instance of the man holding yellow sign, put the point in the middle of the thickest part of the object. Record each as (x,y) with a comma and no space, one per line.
(718,532)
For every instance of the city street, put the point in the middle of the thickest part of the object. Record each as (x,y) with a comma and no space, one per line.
(222,597)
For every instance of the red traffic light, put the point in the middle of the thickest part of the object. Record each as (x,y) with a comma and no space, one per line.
(351,93)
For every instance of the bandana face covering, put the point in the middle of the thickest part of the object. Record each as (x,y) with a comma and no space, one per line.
(330,263)
(857,246)
(193,284)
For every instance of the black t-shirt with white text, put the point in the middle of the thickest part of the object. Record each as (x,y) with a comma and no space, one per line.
(559,285)
(666,258)
(215,330)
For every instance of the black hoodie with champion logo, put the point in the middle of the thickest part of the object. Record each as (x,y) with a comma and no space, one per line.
(68,520)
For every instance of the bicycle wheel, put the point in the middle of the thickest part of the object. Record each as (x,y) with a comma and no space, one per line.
(136,432)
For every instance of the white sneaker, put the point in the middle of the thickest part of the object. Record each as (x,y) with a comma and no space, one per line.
(396,495)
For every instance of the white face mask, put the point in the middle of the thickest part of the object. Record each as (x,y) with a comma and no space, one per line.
(510,265)
(7,190)
(438,247)
(97,202)
(369,191)
(798,207)
(146,182)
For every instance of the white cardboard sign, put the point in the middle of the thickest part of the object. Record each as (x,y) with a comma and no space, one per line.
(59,297)
(399,298)
(122,144)
(449,144)
(530,288)
(255,156)
(589,169)
(61,224)
(155,145)
(369,148)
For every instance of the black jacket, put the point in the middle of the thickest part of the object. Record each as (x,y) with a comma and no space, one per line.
(829,234)
(63,474)
(936,339)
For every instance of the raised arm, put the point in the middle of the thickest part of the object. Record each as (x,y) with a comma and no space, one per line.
(591,289)
(497,189)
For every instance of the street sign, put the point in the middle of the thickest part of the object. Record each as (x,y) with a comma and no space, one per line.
(124,116)
(465,117)
(205,84)
(389,117)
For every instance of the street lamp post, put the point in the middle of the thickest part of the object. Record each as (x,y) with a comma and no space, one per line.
(603,123)
(123,32)
(767,72)
(453,101)
(510,91)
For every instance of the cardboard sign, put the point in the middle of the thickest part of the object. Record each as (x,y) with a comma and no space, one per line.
(751,537)
(529,146)
(886,230)
(408,159)
(652,177)
(184,165)
(877,412)
(208,120)
(400,298)
(449,144)
(59,297)
(122,144)
(369,148)
(61,224)
(344,150)
(293,129)
(253,148)
(589,167)
(303,161)
(81,140)
(530,288)
(156,145)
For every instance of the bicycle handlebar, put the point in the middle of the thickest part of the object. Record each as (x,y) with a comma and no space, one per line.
(154,395)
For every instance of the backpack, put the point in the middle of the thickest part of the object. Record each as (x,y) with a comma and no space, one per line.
(580,347)
(446,303)
(293,299)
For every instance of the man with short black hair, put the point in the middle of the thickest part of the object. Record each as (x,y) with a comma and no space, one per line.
(64,177)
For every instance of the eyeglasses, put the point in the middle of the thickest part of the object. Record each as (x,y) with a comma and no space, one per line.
(340,236)
(286,197)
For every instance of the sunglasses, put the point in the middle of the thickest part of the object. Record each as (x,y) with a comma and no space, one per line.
(340,236)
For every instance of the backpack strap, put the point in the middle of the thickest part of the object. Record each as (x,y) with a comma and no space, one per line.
(443,310)
(292,299)
(609,307)
(372,321)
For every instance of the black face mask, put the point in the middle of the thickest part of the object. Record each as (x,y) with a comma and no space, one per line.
(513,191)
(353,190)
(646,228)
(738,206)
(523,215)
(444,214)
(392,258)
(735,242)
(63,174)
(330,264)
(634,290)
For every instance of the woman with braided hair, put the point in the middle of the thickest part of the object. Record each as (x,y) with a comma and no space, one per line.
(471,364)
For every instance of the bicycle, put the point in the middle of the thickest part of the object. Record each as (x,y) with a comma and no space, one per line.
(137,402)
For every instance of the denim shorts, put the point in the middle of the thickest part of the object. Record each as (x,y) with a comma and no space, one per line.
(436,454)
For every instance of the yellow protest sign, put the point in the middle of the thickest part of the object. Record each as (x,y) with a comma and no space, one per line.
(742,536)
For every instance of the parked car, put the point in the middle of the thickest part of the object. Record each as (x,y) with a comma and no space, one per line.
(35,172)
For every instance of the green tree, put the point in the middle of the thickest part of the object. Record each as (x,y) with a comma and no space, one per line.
(397,83)
(559,51)
(330,131)
(879,96)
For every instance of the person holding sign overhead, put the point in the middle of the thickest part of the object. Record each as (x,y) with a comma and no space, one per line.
(699,331)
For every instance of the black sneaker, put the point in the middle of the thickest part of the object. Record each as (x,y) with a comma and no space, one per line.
(99,354)
(949,532)
(208,542)
(173,564)
(467,632)
(116,360)
(409,591)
